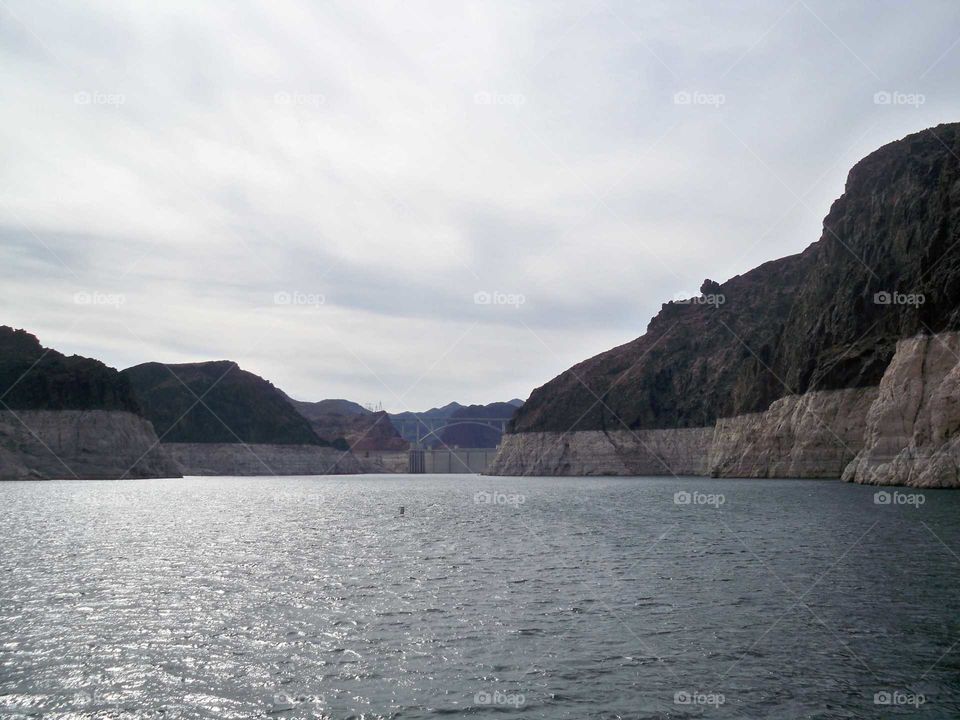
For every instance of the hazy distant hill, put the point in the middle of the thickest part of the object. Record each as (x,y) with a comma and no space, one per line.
(346,424)
(469,434)
(322,408)
(237,406)
(476,435)
(38,378)
(440,412)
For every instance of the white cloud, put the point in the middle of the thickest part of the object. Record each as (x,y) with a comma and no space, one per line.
(397,157)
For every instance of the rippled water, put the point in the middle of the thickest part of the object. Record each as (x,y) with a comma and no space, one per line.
(553,598)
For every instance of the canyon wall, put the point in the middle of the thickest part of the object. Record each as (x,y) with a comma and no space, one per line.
(814,435)
(912,427)
(594,452)
(904,432)
(261,459)
(835,362)
(80,444)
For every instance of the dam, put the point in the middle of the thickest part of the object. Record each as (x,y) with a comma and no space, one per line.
(452,460)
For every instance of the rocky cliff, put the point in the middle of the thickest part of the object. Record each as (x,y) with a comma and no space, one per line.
(783,367)
(912,433)
(70,417)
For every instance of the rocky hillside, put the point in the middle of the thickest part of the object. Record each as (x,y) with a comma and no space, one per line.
(216,402)
(36,378)
(885,268)
(70,417)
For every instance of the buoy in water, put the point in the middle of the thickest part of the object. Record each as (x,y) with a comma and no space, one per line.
(402,509)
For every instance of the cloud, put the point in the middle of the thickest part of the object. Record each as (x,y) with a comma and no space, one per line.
(397,158)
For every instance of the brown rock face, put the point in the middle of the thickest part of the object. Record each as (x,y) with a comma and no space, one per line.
(886,267)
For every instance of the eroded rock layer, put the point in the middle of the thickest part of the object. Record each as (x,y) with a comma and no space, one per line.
(904,432)
(912,427)
(80,444)
(261,459)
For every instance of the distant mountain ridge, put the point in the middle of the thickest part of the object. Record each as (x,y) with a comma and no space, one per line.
(323,408)
(349,426)
(475,435)
(417,425)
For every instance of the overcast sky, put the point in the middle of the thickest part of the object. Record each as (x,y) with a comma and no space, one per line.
(319,190)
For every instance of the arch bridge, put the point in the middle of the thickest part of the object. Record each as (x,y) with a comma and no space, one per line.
(419,430)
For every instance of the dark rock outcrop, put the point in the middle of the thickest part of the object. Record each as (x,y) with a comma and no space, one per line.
(217,402)
(36,378)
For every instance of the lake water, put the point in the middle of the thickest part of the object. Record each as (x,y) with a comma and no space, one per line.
(489,597)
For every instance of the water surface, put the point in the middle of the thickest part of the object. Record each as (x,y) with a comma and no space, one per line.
(489,597)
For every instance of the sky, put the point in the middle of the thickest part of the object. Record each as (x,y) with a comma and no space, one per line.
(411,203)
